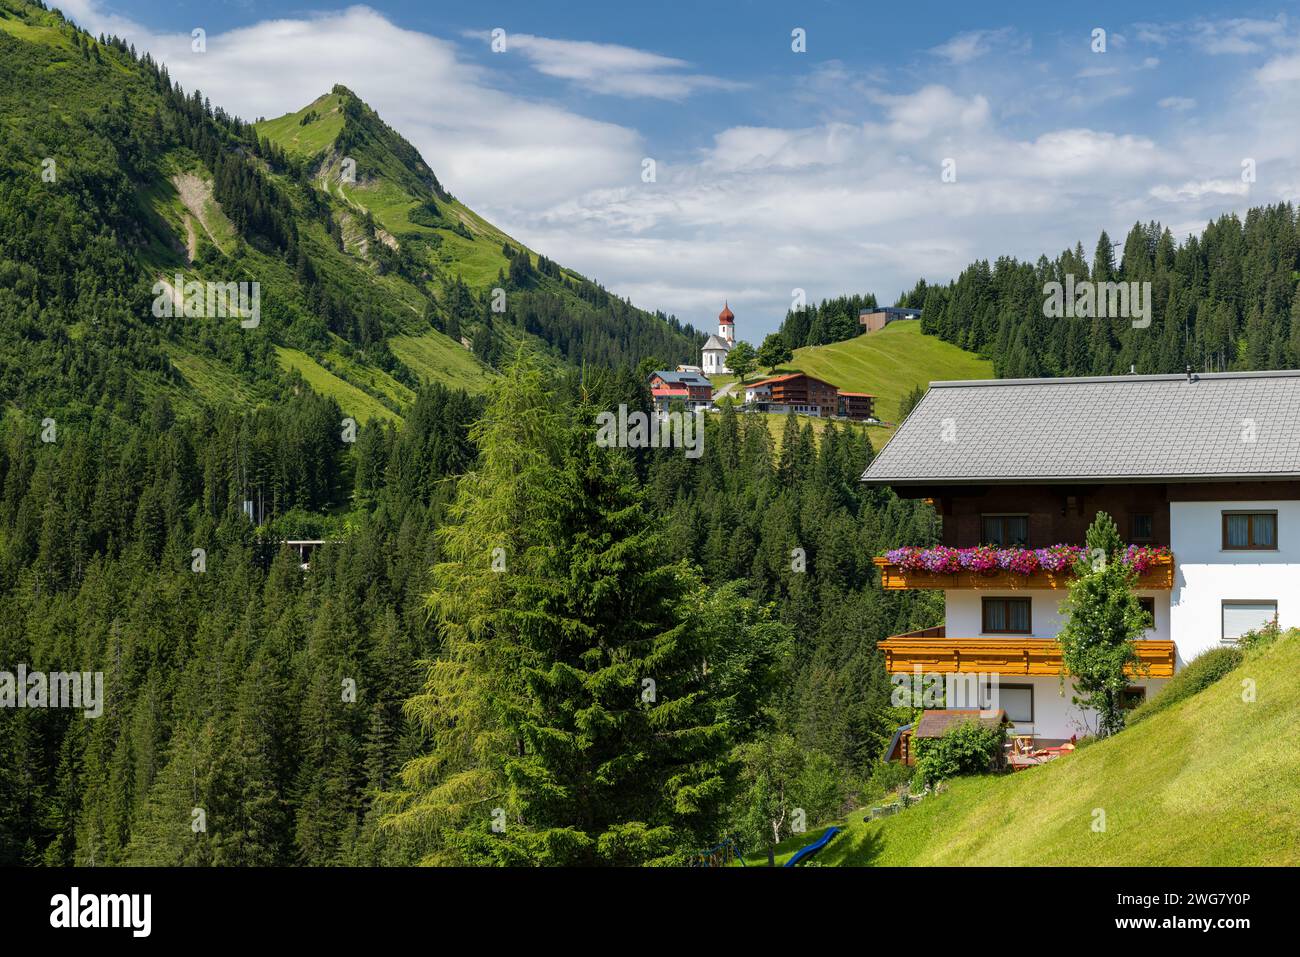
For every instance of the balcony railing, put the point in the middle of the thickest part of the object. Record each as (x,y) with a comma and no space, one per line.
(931,650)
(1156,572)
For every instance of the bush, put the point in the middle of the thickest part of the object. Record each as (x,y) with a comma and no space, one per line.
(885,777)
(1207,668)
(967,748)
(1263,636)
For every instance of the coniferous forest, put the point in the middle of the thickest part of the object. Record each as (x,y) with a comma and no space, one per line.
(513,647)
(375,708)
(1226,300)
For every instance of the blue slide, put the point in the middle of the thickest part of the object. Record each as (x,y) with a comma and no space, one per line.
(813,848)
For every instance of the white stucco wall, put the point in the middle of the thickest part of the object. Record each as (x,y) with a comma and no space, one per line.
(965,618)
(1054,715)
(1206,575)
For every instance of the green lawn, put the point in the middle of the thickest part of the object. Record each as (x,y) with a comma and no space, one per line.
(787,848)
(1214,780)
(36,33)
(889,364)
(211,379)
(368,378)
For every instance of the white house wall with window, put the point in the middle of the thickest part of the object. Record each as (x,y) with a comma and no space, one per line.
(1229,581)
(1036,704)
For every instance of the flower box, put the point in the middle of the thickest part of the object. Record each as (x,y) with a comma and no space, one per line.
(1011,569)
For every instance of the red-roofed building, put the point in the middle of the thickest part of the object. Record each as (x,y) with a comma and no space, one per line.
(807,395)
(795,391)
(693,390)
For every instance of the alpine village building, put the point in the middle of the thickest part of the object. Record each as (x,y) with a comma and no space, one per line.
(714,353)
(804,394)
(1200,472)
(689,388)
(807,395)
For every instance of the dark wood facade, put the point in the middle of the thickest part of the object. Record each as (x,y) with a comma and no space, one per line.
(800,391)
(857,405)
(1062,513)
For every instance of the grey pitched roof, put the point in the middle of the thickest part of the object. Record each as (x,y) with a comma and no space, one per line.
(895,311)
(1137,428)
(682,378)
(717,342)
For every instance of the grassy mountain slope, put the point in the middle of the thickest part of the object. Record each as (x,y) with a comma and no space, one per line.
(113,180)
(1210,781)
(376,175)
(391,182)
(890,363)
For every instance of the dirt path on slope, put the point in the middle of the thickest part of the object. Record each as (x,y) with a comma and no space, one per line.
(195,193)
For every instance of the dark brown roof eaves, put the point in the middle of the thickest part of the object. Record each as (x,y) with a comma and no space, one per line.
(933,724)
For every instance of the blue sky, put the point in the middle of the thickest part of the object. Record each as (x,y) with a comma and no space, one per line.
(778,171)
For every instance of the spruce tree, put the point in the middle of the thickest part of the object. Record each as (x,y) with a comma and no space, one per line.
(623,758)
(1104,618)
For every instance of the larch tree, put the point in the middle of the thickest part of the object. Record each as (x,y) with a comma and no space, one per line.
(570,711)
(449,799)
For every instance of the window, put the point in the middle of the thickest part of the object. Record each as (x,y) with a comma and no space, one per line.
(1017,701)
(1240,617)
(1006,616)
(1142,527)
(1149,606)
(1249,530)
(1005,530)
(1130,698)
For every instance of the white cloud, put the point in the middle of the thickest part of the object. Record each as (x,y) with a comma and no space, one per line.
(965,47)
(916,116)
(1240,35)
(1178,104)
(1195,192)
(488,147)
(1282,69)
(1220,36)
(611,68)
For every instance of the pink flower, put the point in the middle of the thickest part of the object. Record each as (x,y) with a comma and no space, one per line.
(944,560)
(941,560)
(979,559)
(1018,561)
(1059,558)
(907,558)
(1141,558)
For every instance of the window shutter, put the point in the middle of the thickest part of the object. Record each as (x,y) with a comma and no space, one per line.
(1018,703)
(1240,617)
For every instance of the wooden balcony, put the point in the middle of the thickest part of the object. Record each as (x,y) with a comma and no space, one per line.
(1159,577)
(932,651)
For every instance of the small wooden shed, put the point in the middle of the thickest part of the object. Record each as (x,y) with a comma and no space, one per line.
(933,724)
